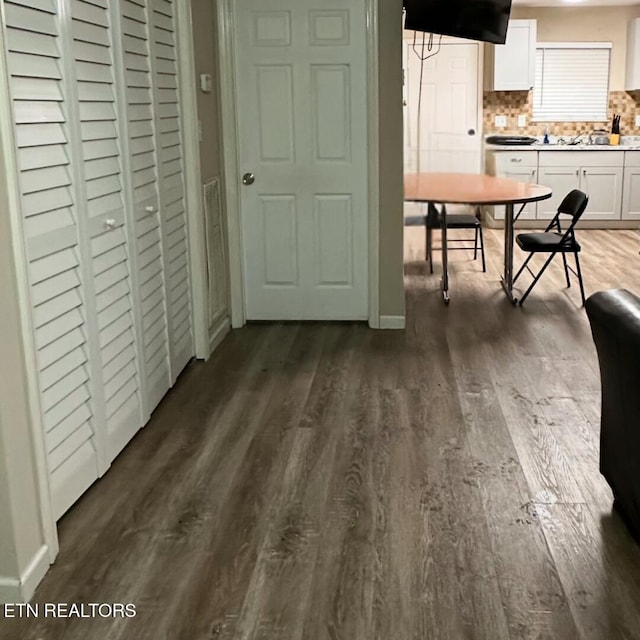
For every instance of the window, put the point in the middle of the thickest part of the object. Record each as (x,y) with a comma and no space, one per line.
(572,82)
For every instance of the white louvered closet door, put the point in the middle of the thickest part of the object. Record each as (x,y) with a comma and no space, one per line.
(94,97)
(102,193)
(144,168)
(172,203)
(51,227)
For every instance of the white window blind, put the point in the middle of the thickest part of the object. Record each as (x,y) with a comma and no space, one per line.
(572,82)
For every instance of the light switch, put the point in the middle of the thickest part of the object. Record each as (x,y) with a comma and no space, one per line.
(522,120)
(637,121)
(501,121)
(206,82)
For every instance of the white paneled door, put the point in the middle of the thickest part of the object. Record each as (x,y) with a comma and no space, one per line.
(94,93)
(302,103)
(442,129)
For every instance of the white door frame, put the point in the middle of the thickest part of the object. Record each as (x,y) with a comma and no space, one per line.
(194,200)
(230,145)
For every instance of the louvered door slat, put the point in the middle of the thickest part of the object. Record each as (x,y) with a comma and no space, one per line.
(31,17)
(44,179)
(92,52)
(57,416)
(63,367)
(57,348)
(55,286)
(61,326)
(54,394)
(89,14)
(73,422)
(41,89)
(134,12)
(119,362)
(64,451)
(152,299)
(150,271)
(42,5)
(152,254)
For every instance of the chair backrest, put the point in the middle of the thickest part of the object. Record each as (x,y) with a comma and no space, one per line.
(573,204)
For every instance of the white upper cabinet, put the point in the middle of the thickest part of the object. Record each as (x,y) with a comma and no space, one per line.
(513,66)
(633,55)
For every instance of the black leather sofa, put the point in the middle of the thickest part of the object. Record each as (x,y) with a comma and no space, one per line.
(615,324)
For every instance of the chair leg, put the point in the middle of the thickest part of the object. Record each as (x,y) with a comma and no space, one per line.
(475,245)
(579,271)
(484,264)
(429,248)
(566,270)
(523,267)
(526,293)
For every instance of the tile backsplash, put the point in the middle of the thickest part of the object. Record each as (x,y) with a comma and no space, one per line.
(515,103)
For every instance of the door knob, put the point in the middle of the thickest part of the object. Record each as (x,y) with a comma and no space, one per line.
(472,132)
(248,178)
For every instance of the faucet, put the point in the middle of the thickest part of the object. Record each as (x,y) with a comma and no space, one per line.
(575,139)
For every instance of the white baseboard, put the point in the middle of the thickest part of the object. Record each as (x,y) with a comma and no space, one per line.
(218,332)
(10,591)
(392,322)
(22,590)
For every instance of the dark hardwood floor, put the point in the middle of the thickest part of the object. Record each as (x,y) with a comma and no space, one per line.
(326,482)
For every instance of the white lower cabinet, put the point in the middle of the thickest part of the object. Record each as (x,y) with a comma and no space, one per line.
(521,174)
(610,178)
(96,120)
(523,167)
(631,190)
(598,173)
(603,185)
(631,194)
(560,180)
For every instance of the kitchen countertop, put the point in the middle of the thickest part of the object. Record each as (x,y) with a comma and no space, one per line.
(562,147)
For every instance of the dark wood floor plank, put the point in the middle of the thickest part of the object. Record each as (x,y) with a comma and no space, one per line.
(601,584)
(532,594)
(221,566)
(341,591)
(287,558)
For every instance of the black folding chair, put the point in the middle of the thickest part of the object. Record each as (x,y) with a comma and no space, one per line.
(554,240)
(455,221)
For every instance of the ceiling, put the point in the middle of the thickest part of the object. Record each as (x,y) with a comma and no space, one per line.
(575,3)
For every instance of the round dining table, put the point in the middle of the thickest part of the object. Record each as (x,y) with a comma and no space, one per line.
(476,190)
